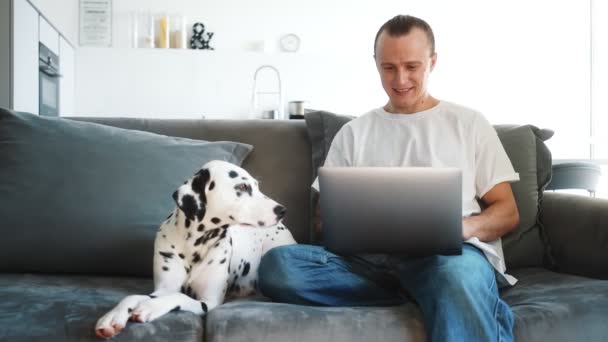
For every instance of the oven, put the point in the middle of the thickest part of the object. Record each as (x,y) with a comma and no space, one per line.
(48,63)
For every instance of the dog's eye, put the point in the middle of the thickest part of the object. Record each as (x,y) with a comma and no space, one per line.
(243,187)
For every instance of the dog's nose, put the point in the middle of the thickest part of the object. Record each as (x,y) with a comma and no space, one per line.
(280,211)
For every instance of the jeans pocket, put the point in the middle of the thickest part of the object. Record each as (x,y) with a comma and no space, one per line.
(504,321)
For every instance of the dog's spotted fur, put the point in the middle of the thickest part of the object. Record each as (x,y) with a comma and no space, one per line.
(208,249)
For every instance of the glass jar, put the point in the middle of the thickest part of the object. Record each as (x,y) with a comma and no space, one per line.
(162,30)
(178,34)
(142,30)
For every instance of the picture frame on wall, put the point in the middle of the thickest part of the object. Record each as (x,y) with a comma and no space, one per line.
(95,23)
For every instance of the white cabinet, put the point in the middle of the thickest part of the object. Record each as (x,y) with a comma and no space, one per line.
(25,57)
(66,83)
(49,36)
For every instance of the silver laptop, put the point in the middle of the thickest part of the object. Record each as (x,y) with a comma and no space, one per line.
(412,211)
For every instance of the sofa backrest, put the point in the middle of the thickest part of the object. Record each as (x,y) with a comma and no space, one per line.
(280,160)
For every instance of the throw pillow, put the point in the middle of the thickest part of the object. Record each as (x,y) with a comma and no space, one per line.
(81,197)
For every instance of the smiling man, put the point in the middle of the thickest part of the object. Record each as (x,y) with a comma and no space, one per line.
(458,295)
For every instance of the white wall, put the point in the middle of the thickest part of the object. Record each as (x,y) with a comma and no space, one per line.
(518,61)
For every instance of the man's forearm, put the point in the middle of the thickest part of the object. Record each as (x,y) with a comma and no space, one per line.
(495,221)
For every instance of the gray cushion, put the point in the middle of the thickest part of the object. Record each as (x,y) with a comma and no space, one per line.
(528,154)
(66,308)
(532,160)
(547,307)
(83,197)
(244,321)
(322,128)
(550,306)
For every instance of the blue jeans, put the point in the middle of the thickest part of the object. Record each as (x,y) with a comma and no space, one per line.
(458,295)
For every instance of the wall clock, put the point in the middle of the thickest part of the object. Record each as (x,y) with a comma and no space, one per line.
(290,43)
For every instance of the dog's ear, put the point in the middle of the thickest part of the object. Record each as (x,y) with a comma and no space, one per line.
(186,196)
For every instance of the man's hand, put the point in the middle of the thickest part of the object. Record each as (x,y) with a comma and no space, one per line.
(499,218)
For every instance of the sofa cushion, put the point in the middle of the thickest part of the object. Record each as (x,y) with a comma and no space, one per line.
(66,308)
(528,154)
(88,198)
(243,321)
(551,306)
(547,306)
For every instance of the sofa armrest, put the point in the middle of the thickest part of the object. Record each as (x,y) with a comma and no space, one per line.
(576,229)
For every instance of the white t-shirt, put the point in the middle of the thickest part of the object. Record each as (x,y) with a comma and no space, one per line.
(447,135)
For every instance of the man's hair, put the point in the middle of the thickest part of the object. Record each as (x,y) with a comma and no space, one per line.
(401,25)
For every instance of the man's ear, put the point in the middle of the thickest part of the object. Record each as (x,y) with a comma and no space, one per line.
(191,198)
(433,61)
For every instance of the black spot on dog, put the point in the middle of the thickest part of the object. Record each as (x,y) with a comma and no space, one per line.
(187,269)
(238,194)
(181,255)
(216,220)
(210,262)
(204,307)
(196,258)
(167,255)
(188,223)
(177,308)
(165,268)
(189,236)
(152,296)
(230,241)
(208,235)
(189,206)
(168,217)
(164,236)
(129,310)
(216,245)
(261,223)
(232,218)
(223,261)
(233,174)
(246,269)
(211,185)
(201,227)
(172,246)
(199,181)
(225,226)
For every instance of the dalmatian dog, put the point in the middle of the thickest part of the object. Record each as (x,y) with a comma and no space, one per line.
(208,249)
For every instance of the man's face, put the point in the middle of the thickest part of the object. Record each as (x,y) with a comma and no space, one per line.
(404,64)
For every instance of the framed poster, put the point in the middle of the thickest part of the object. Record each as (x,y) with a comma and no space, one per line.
(95,23)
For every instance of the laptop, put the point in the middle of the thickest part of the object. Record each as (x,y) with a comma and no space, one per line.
(410,211)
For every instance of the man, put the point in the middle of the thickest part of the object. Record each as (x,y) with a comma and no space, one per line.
(458,295)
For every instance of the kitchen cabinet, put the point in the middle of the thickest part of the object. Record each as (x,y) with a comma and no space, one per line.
(22,29)
(49,36)
(24,57)
(66,83)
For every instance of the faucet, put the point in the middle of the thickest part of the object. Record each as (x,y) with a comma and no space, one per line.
(255,92)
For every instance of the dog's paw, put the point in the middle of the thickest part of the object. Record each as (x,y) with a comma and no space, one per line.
(150,310)
(112,323)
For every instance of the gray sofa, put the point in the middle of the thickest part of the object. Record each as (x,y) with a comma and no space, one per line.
(559,253)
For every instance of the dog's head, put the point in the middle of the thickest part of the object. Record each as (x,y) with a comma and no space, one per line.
(223,193)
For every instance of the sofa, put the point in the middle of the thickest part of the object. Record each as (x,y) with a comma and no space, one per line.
(81,200)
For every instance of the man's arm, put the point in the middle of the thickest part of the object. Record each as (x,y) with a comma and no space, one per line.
(497,219)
